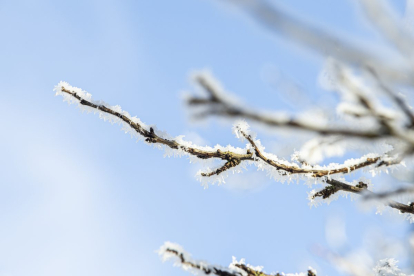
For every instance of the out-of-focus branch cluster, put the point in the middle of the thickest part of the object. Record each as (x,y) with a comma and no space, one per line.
(386,126)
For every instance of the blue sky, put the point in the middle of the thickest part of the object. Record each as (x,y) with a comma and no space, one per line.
(79,197)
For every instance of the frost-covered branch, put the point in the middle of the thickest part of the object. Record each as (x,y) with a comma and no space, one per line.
(233,157)
(84,99)
(172,251)
(307,169)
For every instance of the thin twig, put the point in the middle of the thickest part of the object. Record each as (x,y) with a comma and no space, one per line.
(206,269)
(151,137)
(312,172)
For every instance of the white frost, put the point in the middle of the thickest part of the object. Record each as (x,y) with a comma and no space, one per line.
(388,267)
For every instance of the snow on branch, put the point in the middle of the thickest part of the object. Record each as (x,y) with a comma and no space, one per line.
(232,156)
(172,251)
(288,168)
(134,126)
(280,169)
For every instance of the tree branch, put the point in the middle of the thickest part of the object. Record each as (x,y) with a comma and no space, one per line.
(206,269)
(234,159)
(151,137)
(312,172)
(219,106)
(183,259)
(231,163)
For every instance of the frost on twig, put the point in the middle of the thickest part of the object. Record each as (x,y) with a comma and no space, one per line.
(172,251)
(232,156)
(138,129)
(388,267)
(182,259)
(253,153)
